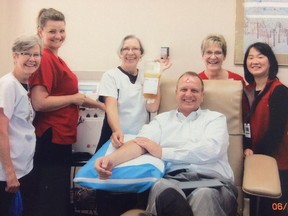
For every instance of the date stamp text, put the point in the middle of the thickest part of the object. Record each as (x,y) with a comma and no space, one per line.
(278,206)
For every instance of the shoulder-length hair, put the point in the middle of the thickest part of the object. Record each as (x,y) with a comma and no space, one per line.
(267,51)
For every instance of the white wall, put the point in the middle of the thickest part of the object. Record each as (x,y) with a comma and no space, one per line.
(96,27)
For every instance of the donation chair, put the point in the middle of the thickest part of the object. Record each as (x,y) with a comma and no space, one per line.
(259,174)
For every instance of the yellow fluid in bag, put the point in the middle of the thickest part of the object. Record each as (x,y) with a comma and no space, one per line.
(151,81)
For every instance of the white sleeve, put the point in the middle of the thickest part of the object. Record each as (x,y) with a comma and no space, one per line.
(7,97)
(108,85)
(151,131)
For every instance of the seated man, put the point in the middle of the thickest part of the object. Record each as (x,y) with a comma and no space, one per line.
(193,142)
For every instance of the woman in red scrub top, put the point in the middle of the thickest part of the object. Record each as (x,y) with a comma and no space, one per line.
(55,97)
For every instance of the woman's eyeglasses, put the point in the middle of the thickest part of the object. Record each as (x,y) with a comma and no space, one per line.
(29,55)
(133,49)
(216,53)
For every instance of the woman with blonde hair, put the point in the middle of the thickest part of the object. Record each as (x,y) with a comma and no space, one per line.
(214,51)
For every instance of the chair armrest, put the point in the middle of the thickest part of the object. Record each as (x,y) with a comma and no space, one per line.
(261,176)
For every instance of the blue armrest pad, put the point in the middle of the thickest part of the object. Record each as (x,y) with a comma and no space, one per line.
(136,175)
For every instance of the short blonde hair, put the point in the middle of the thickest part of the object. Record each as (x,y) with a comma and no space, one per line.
(217,39)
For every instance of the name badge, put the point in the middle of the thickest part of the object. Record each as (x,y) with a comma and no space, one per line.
(247,131)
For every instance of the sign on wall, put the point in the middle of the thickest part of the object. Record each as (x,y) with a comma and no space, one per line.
(262,21)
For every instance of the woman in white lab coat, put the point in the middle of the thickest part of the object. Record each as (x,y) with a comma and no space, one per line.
(126,112)
(122,91)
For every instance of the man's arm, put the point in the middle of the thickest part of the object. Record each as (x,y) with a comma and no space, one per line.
(150,146)
(128,151)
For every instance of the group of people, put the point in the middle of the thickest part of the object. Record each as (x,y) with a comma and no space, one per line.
(36,153)
(36,150)
(197,156)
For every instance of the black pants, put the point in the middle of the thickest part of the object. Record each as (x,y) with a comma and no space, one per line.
(7,198)
(106,133)
(51,177)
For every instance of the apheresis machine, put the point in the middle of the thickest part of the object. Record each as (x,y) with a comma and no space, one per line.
(90,121)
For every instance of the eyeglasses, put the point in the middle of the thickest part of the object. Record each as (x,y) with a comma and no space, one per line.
(133,49)
(216,53)
(29,55)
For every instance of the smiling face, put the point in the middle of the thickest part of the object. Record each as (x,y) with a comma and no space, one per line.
(53,35)
(27,62)
(130,54)
(257,64)
(189,94)
(213,57)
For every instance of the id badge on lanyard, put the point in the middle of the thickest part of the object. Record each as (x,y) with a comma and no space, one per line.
(247,131)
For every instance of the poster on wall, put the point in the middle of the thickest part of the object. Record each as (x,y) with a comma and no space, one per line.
(262,21)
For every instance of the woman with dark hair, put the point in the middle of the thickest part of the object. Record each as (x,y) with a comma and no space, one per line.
(265,113)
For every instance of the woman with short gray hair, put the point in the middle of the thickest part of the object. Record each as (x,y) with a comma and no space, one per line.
(17,135)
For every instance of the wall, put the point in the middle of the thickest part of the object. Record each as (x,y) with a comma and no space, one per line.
(96,27)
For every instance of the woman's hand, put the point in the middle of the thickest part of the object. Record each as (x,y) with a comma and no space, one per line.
(248,152)
(91,103)
(117,139)
(12,183)
(164,64)
(78,99)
